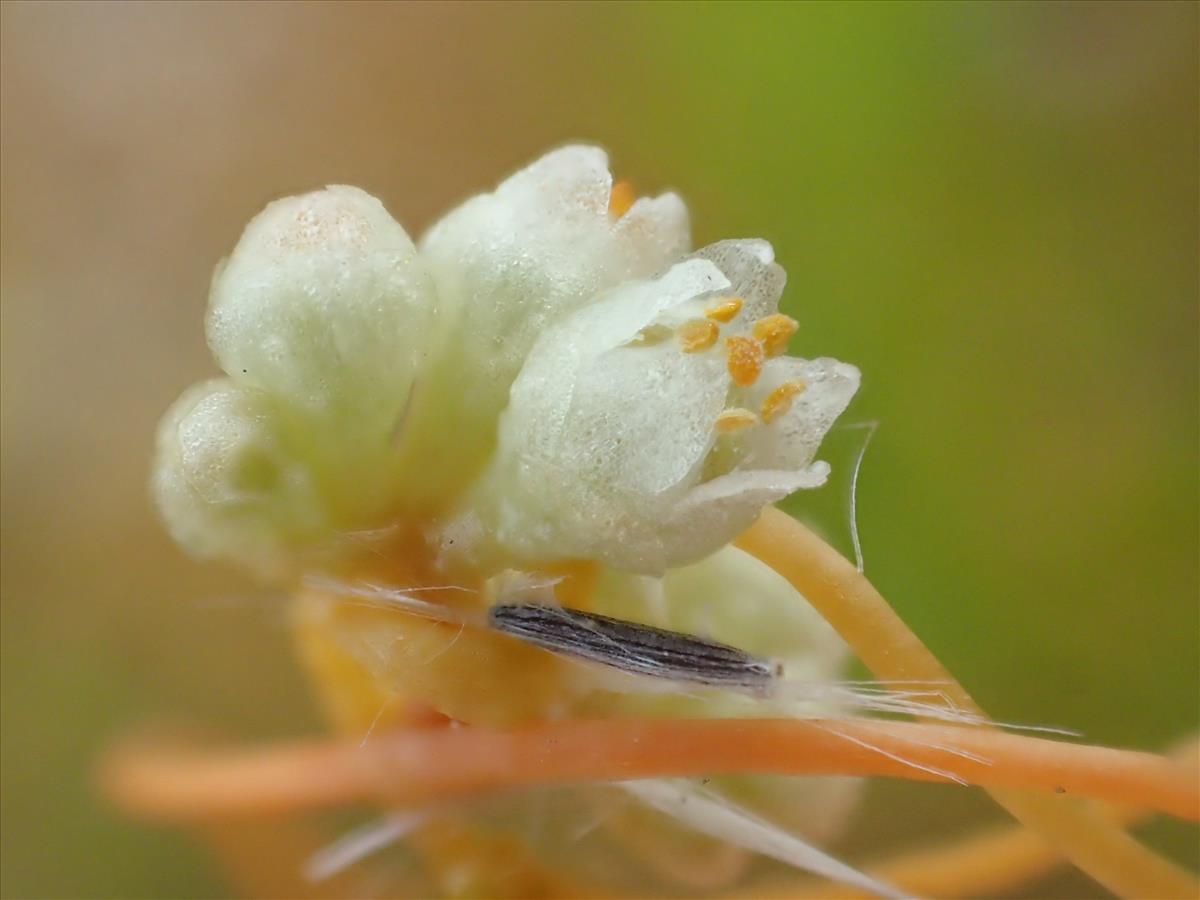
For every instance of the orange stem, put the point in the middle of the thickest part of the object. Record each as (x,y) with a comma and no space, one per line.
(994,862)
(414,767)
(852,605)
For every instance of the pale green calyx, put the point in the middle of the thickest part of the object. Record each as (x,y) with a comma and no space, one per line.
(545,376)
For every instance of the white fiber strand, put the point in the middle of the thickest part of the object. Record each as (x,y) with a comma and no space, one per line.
(712,815)
(867,745)
(358,844)
(870,428)
(396,598)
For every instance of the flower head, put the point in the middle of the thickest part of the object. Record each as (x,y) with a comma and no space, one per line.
(549,378)
(645,432)
(546,376)
(551,382)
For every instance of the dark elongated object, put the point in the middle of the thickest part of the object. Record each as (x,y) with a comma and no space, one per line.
(633,647)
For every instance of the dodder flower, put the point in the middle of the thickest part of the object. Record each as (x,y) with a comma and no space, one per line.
(552,382)
(550,377)
(545,378)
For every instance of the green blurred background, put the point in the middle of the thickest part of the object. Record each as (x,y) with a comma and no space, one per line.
(991,209)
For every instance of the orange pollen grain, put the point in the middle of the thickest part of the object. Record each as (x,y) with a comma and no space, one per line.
(725,310)
(775,331)
(745,360)
(698,334)
(735,419)
(621,198)
(779,400)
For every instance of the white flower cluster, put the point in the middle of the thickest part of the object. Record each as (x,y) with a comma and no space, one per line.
(546,376)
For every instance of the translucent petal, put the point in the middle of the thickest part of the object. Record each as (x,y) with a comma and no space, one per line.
(713,513)
(750,266)
(607,427)
(604,449)
(791,440)
(655,233)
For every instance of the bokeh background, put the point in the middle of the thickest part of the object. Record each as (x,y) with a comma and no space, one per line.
(992,209)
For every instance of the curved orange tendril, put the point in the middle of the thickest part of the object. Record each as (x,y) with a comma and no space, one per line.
(994,861)
(423,765)
(419,766)
(852,605)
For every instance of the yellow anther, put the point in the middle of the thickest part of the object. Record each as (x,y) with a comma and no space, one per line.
(775,332)
(698,334)
(745,360)
(779,401)
(733,420)
(725,310)
(621,198)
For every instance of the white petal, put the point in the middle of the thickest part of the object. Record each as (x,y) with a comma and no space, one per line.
(604,448)
(654,233)
(226,484)
(791,440)
(571,178)
(324,302)
(605,431)
(511,263)
(774,458)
